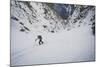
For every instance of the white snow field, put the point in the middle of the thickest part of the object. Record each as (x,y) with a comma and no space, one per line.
(61,47)
(67,31)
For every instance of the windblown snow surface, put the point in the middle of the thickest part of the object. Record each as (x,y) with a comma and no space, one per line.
(68,33)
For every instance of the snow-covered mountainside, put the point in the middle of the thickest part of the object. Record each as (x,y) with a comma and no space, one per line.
(67,30)
(49,17)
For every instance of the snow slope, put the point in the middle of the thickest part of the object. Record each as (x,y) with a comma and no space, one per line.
(62,47)
(66,39)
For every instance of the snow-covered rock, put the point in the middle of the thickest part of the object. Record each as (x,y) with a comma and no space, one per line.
(48,17)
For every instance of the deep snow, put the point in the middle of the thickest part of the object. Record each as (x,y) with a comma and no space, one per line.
(59,47)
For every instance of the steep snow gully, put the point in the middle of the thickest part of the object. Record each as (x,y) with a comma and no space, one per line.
(67,32)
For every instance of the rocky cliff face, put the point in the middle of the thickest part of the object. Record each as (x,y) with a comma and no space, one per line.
(28,16)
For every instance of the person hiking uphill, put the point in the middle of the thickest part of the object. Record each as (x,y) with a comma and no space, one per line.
(39,37)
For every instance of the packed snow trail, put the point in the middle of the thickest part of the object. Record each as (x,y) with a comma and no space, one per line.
(60,47)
